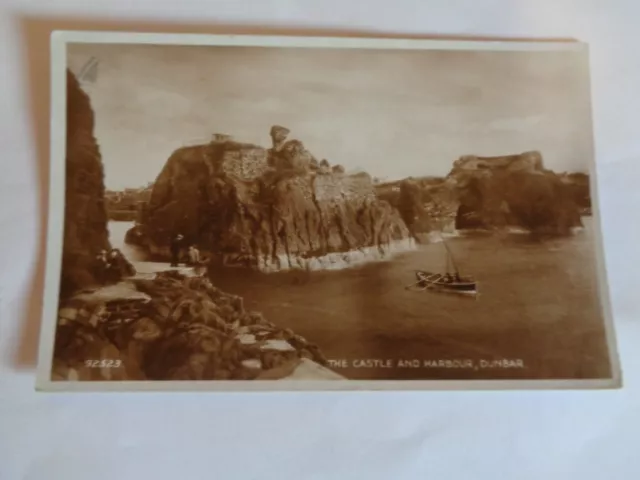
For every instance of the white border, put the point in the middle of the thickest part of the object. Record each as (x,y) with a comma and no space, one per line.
(59,41)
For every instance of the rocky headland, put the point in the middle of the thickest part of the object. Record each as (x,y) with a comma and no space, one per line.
(492,193)
(271,209)
(157,325)
(514,191)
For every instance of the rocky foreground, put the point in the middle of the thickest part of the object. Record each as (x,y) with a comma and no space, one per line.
(175,327)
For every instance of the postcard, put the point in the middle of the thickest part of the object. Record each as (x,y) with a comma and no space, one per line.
(309,213)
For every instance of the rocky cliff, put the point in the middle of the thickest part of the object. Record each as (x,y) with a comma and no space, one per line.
(270,209)
(490,193)
(85,221)
(515,191)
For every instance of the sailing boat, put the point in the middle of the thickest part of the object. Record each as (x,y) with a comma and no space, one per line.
(451,281)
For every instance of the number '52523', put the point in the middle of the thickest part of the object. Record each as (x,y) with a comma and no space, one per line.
(103,363)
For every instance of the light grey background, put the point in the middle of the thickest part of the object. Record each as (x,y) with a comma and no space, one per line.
(524,435)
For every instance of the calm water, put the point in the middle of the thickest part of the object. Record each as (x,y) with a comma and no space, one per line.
(117,232)
(538,308)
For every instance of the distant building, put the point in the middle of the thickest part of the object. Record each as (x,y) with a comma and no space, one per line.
(126,204)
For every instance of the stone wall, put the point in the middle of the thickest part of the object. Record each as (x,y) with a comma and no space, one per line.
(349,187)
(358,186)
(245,164)
(531,161)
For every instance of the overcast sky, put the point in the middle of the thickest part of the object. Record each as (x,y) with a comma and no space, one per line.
(392,113)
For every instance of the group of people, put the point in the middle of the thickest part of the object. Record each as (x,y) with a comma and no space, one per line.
(193,254)
(111,266)
(448,278)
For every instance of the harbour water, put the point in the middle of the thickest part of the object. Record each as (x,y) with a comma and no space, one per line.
(117,233)
(538,314)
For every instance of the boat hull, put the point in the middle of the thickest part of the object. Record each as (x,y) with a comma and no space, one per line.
(437,281)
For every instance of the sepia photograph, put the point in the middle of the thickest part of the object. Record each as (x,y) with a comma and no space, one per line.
(291,213)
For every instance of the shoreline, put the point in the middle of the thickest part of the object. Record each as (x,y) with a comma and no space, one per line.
(283,262)
(338,260)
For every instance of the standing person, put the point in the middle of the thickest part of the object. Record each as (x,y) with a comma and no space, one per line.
(194,255)
(120,264)
(196,261)
(102,266)
(114,270)
(175,247)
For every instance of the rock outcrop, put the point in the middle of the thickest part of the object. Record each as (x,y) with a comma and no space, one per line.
(491,193)
(514,191)
(85,221)
(580,187)
(174,327)
(427,205)
(270,209)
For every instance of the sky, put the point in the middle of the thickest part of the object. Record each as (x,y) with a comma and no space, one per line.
(393,114)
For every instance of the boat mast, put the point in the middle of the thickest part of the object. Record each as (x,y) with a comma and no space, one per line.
(450,258)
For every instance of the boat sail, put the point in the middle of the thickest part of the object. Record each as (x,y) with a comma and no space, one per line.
(451,281)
